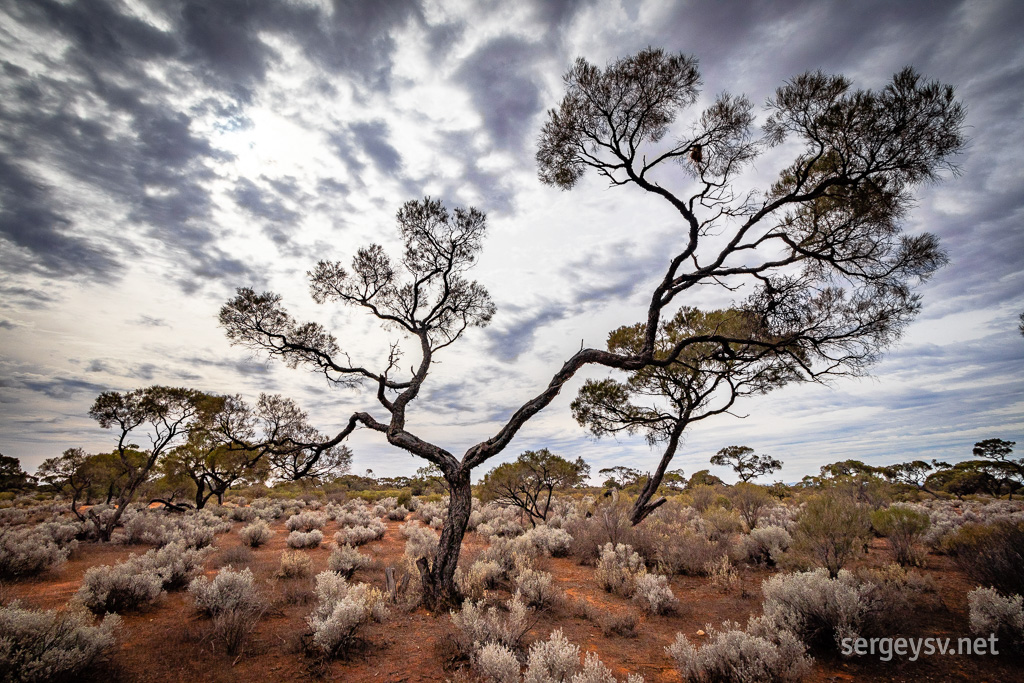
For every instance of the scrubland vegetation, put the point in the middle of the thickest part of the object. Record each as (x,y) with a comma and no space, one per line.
(720,583)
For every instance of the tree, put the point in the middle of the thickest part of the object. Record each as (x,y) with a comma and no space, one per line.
(744,462)
(166,414)
(829,276)
(529,481)
(703,478)
(998,452)
(914,474)
(68,474)
(697,385)
(12,477)
(620,477)
(826,273)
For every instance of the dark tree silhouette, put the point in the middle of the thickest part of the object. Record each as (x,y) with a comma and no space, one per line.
(825,273)
(744,462)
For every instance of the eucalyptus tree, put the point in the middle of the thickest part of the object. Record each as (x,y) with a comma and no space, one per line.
(529,481)
(745,462)
(818,261)
(821,272)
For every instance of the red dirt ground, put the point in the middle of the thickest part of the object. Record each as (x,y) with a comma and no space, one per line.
(168,642)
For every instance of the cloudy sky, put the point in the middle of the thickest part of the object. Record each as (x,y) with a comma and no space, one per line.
(157,154)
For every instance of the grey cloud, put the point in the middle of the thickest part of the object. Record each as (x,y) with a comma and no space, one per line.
(373,136)
(501,82)
(150,321)
(98,366)
(30,223)
(516,337)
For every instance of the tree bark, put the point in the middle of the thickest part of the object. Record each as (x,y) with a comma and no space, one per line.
(439,590)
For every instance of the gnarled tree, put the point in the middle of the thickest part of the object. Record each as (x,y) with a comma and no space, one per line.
(822,271)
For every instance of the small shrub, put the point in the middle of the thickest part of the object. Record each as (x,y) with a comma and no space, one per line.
(420,541)
(255,534)
(229,590)
(689,552)
(765,545)
(991,554)
(999,615)
(622,624)
(118,588)
(653,594)
(552,660)
(536,588)
(360,534)
(233,601)
(295,565)
(594,671)
(305,539)
(482,574)
(618,568)
(398,514)
(28,553)
(821,611)
(306,521)
(345,560)
(831,529)
(176,564)
(50,645)
(341,610)
(724,576)
(477,625)
(732,655)
(904,527)
(496,664)
(242,514)
(549,541)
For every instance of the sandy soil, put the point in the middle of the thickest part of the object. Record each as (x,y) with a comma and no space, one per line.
(169,642)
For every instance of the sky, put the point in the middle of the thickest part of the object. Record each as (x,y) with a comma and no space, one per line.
(155,155)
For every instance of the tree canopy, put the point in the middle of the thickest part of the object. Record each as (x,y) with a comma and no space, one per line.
(529,481)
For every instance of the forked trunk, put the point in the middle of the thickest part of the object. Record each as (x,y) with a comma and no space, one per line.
(439,590)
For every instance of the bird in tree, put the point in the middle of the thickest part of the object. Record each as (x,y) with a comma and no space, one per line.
(745,463)
(821,269)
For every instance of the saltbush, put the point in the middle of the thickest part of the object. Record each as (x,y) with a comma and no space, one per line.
(496,664)
(255,534)
(477,625)
(618,568)
(536,588)
(26,552)
(345,560)
(653,594)
(732,655)
(50,645)
(554,659)
(295,565)
(118,588)
(341,610)
(306,521)
(992,613)
(305,539)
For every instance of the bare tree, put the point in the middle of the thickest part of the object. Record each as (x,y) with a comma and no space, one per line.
(819,256)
